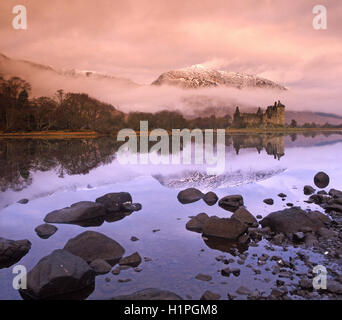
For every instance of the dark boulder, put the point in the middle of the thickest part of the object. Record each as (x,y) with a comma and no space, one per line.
(58,274)
(269,201)
(335,193)
(326,233)
(80,211)
(133,260)
(189,195)
(196,223)
(292,220)
(244,216)
(334,206)
(320,216)
(45,230)
(210,198)
(91,245)
(322,192)
(149,294)
(318,199)
(231,203)
(115,201)
(308,190)
(11,251)
(227,228)
(321,180)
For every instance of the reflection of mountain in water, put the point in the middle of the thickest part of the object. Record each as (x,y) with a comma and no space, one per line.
(20,158)
(204,182)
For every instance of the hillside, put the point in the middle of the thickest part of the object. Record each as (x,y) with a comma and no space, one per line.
(46,80)
(198,76)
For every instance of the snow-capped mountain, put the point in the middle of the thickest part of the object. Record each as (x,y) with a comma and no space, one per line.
(198,76)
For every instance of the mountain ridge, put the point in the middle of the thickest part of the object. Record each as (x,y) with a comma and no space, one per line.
(199,76)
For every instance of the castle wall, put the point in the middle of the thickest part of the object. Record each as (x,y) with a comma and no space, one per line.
(274,116)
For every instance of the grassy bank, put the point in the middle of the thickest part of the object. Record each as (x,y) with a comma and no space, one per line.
(50,134)
(94,134)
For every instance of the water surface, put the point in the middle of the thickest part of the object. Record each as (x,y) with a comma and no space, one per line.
(54,174)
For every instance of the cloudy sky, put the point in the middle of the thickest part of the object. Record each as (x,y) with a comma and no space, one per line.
(140,39)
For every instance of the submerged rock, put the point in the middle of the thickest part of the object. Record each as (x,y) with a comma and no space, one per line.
(23,201)
(100,266)
(91,245)
(203,277)
(58,274)
(228,228)
(208,295)
(243,291)
(197,223)
(77,212)
(133,260)
(116,201)
(149,294)
(189,195)
(321,180)
(45,230)
(11,251)
(210,198)
(231,203)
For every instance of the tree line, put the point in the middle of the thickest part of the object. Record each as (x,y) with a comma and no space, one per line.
(63,111)
(79,112)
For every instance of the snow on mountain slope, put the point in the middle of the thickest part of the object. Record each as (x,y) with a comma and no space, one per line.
(198,76)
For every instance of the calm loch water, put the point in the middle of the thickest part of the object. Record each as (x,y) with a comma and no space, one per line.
(53,174)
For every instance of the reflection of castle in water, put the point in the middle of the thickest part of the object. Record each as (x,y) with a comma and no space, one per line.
(272,143)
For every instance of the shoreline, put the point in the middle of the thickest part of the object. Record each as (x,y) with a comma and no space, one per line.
(94,134)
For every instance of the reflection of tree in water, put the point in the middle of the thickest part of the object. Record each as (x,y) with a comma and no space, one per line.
(272,143)
(19,158)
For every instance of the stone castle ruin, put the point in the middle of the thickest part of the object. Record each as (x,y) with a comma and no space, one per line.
(273,117)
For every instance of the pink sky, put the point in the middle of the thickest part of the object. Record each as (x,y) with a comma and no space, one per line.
(142,38)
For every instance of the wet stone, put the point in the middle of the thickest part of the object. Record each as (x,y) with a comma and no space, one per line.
(23,201)
(203,277)
(208,295)
(269,201)
(189,195)
(45,230)
(210,198)
(321,180)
